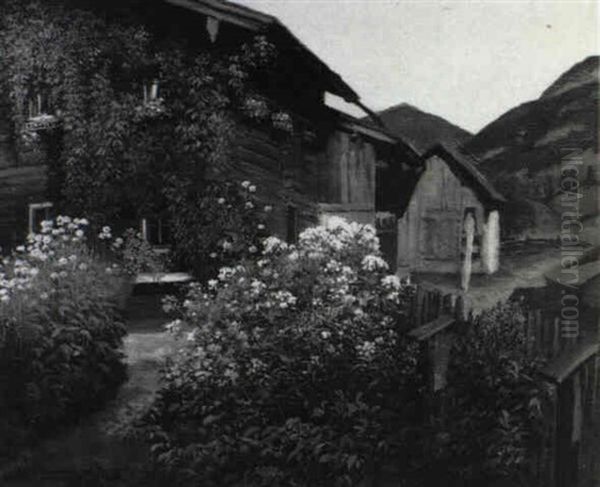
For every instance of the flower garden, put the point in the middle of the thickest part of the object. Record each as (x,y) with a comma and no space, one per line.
(60,332)
(294,364)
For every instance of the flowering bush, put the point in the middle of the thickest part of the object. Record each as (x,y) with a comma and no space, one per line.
(293,369)
(220,226)
(133,252)
(60,332)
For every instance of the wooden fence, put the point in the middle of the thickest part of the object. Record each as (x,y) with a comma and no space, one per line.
(569,453)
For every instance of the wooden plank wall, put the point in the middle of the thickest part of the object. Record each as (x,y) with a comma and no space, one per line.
(302,172)
(19,186)
(568,454)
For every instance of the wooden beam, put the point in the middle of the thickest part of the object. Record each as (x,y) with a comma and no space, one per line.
(219,13)
(432,328)
(567,363)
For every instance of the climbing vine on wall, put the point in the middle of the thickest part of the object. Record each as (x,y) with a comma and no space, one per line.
(133,116)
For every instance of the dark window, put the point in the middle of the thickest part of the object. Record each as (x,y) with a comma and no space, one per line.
(292,224)
(38,212)
(156,231)
(38,104)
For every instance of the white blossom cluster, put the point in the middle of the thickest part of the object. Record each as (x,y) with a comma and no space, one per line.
(49,258)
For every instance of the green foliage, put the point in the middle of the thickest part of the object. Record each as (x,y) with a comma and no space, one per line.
(293,369)
(134,252)
(60,334)
(115,151)
(220,226)
(494,400)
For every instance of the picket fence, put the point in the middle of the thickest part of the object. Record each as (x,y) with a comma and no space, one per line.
(569,453)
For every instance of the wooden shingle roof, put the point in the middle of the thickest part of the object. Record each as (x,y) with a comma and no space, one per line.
(466,166)
(255,21)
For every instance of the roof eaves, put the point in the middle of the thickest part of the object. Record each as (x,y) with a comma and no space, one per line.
(255,21)
(468,164)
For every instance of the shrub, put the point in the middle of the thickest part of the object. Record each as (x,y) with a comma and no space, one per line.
(495,401)
(293,369)
(134,253)
(221,225)
(60,333)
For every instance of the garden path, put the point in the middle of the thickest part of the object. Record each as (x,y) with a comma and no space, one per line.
(95,452)
(517,270)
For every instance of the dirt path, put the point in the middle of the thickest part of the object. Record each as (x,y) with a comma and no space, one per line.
(517,271)
(95,452)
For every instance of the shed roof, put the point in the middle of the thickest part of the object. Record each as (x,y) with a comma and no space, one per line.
(466,166)
(253,20)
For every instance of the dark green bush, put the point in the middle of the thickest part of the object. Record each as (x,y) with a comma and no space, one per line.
(60,335)
(493,402)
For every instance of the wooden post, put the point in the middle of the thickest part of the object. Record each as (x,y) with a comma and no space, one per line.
(555,338)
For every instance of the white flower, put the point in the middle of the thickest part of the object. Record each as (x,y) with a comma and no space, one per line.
(373,263)
(44,296)
(63,261)
(174,326)
(252,189)
(21,248)
(226,245)
(391,282)
(260,226)
(252,249)
(325,335)
(249,205)
(221,201)
(79,233)
(245,184)
(272,244)
(212,284)
(268,208)
(213,255)
(54,276)
(83,266)
(225,273)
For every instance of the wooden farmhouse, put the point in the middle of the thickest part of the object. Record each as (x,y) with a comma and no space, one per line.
(328,166)
(451,222)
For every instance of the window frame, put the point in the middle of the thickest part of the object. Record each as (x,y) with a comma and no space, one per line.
(144,230)
(32,208)
(151,89)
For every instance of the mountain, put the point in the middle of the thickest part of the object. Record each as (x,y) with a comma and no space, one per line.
(523,149)
(420,129)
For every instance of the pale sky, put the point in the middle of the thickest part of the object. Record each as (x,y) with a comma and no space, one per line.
(467,61)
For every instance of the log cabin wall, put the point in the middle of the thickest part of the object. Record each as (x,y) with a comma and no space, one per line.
(430,231)
(307,180)
(284,169)
(22,182)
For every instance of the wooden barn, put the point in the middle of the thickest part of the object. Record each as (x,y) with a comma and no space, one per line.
(451,222)
(328,166)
